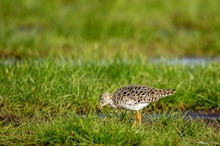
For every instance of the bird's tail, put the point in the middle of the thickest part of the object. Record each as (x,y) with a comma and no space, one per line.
(166,92)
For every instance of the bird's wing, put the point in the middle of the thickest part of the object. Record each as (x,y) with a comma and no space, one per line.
(136,94)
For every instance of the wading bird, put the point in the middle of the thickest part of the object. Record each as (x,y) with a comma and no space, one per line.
(134,97)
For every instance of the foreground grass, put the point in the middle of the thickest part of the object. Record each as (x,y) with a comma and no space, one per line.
(107,29)
(41,100)
(92,130)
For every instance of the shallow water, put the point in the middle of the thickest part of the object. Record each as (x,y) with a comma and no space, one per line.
(204,115)
(185,61)
(187,115)
(170,61)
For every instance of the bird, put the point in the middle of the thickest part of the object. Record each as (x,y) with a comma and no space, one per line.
(134,98)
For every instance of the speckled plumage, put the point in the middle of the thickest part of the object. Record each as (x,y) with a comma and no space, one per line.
(135,94)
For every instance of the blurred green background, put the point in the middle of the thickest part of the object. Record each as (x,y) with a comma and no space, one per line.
(83,29)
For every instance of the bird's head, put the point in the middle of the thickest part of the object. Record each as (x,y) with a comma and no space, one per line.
(105,99)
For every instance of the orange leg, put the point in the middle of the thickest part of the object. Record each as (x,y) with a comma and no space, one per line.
(137,119)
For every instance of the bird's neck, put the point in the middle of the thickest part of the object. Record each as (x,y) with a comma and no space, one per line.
(112,104)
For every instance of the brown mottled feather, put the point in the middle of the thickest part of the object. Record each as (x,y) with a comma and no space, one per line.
(140,94)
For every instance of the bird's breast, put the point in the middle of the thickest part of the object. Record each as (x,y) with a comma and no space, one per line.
(135,106)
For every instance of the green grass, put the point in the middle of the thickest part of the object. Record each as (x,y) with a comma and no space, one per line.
(108,29)
(82,83)
(41,100)
(73,130)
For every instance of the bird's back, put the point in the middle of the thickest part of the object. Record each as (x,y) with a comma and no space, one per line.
(140,94)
